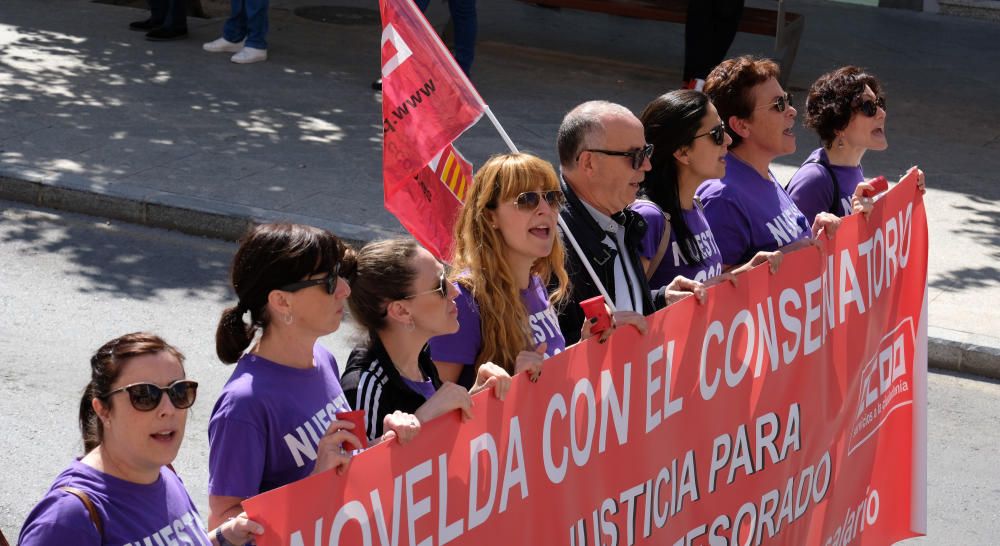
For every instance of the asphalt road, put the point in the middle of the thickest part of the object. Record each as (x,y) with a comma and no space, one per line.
(69,282)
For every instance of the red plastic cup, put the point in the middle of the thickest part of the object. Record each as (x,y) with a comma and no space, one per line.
(358,418)
(594,307)
(879,185)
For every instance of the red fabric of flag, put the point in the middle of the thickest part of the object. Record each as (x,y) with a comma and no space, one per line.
(428,205)
(427,102)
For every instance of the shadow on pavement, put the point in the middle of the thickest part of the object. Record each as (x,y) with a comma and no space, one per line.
(118,262)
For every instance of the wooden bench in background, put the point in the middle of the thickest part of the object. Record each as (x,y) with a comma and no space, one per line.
(786,27)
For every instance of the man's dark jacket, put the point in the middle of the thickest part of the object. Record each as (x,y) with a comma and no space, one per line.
(602,258)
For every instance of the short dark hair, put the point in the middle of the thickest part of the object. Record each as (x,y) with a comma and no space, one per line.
(671,121)
(729,85)
(270,256)
(105,367)
(384,273)
(832,98)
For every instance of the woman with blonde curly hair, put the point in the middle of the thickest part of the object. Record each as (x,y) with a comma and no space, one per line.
(507,251)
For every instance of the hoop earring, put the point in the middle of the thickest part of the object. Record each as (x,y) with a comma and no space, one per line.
(411,326)
(840,142)
(288,319)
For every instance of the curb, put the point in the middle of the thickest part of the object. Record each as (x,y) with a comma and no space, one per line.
(986,10)
(569,57)
(946,349)
(963,352)
(153,208)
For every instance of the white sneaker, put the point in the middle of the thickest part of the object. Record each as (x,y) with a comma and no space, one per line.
(249,55)
(222,45)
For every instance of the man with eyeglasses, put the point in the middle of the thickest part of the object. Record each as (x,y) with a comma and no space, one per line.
(747,209)
(604,156)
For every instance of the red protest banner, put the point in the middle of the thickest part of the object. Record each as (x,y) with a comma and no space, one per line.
(427,102)
(781,411)
(428,206)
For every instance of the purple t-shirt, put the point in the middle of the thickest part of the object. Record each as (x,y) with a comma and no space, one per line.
(812,188)
(423,388)
(267,422)
(463,346)
(749,213)
(673,262)
(131,513)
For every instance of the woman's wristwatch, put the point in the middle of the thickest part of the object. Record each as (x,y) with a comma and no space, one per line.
(220,538)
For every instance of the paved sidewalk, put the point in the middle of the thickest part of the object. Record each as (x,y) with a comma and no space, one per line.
(95,119)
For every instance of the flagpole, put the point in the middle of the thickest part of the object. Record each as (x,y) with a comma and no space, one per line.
(562,223)
(500,129)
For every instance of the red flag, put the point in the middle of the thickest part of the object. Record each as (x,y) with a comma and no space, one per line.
(428,204)
(427,102)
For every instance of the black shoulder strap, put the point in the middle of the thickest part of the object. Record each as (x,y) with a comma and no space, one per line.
(835,207)
(89,504)
(3,540)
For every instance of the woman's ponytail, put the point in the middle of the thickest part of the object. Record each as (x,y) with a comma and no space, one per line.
(232,336)
(90,425)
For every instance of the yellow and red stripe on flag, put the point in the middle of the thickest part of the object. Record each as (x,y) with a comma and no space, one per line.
(453,170)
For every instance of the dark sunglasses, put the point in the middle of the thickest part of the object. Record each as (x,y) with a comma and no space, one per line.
(638,156)
(870,107)
(330,281)
(146,396)
(718,134)
(780,104)
(442,287)
(529,200)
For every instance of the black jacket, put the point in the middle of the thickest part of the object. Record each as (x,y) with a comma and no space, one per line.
(371,382)
(601,256)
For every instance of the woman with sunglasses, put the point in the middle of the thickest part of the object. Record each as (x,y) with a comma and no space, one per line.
(123,490)
(275,420)
(401,296)
(690,143)
(748,210)
(847,109)
(506,253)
